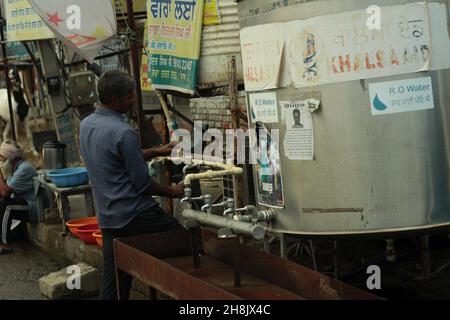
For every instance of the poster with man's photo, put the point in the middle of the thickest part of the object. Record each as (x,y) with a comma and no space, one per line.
(268,168)
(299,134)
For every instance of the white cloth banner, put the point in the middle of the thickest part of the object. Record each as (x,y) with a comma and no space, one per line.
(83,25)
(340,47)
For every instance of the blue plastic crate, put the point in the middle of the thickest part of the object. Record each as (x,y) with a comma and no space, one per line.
(69,177)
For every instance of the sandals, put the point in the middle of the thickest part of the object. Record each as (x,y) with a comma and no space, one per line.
(6,251)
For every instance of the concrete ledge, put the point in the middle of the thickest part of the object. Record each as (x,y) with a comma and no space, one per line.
(49,239)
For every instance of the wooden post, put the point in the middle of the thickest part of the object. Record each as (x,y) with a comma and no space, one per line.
(136,71)
(235,113)
(233,92)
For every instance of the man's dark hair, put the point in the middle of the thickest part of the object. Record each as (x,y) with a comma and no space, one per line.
(296,111)
(114,83)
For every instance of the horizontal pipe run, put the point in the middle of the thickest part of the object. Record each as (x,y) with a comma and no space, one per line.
(228,169)
(255,231)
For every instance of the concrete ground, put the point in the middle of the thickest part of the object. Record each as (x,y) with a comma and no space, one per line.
(21,271)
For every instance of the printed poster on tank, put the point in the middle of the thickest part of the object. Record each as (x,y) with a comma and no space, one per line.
(299,135)
(268,167)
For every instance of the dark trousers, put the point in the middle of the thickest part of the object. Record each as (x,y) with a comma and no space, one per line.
(152,221)
(6,217)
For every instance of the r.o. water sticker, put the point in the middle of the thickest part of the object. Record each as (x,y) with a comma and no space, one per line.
(401,96)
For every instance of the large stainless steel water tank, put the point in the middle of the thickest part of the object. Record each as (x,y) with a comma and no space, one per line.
(370,173)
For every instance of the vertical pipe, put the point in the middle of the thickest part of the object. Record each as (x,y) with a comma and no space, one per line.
(425,255)
(167,167)
(336,259)
(266,244)
(236,263)
(5,70)
(313,255)
(136,71)
(283,246)
(196,243)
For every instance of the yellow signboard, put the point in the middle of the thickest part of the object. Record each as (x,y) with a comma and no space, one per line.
(146,83)
(211,13)
(175,29)
(23,23)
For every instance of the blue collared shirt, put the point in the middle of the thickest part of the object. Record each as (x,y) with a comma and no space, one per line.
(116,167)
(22,184)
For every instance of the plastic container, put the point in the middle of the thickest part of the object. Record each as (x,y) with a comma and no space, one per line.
(99,238)
(69,177)
(76,223)
(86,233)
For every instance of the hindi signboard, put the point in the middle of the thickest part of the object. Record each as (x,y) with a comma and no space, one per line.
(174,30)
(23,23)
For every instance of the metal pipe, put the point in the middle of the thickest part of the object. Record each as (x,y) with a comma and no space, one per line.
(228,169)
(211,174)
(425,255)
(6,71)
(164,106)
(170,121)
(255,231)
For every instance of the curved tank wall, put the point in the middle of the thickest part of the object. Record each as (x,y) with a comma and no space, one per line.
(369,173)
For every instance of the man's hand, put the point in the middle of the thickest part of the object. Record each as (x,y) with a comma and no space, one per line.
(166,150)
(178,191)
(162,151)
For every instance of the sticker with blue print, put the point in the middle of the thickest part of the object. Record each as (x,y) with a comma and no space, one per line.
(401,96)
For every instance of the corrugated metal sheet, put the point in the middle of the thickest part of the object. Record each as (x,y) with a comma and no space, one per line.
(219,42)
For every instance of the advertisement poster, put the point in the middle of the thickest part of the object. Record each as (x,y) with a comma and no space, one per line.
(174,30)
(340,47)
(146,83)
(16,50)
(84,26)
(23,23)
(263,107)
(268,168)
(401,96)
(299,134)
(211,13)
(262,51)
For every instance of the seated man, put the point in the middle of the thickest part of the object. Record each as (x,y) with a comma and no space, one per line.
(16,191)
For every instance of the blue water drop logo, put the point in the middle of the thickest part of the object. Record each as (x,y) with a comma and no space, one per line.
(253,113)
(378,104)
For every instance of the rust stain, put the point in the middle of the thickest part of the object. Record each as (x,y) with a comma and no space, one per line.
(331,210)
(327,290)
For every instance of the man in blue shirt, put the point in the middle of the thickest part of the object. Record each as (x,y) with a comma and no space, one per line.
(16,192)
(118,173)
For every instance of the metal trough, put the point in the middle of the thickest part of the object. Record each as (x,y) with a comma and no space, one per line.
(222,270)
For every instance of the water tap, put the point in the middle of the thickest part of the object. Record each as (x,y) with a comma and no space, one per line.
(229,204)
(207,205)
(187,195)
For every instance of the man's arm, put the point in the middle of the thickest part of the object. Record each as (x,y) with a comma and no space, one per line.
(158,189)
(137,171)
(162,151)
(5,190)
